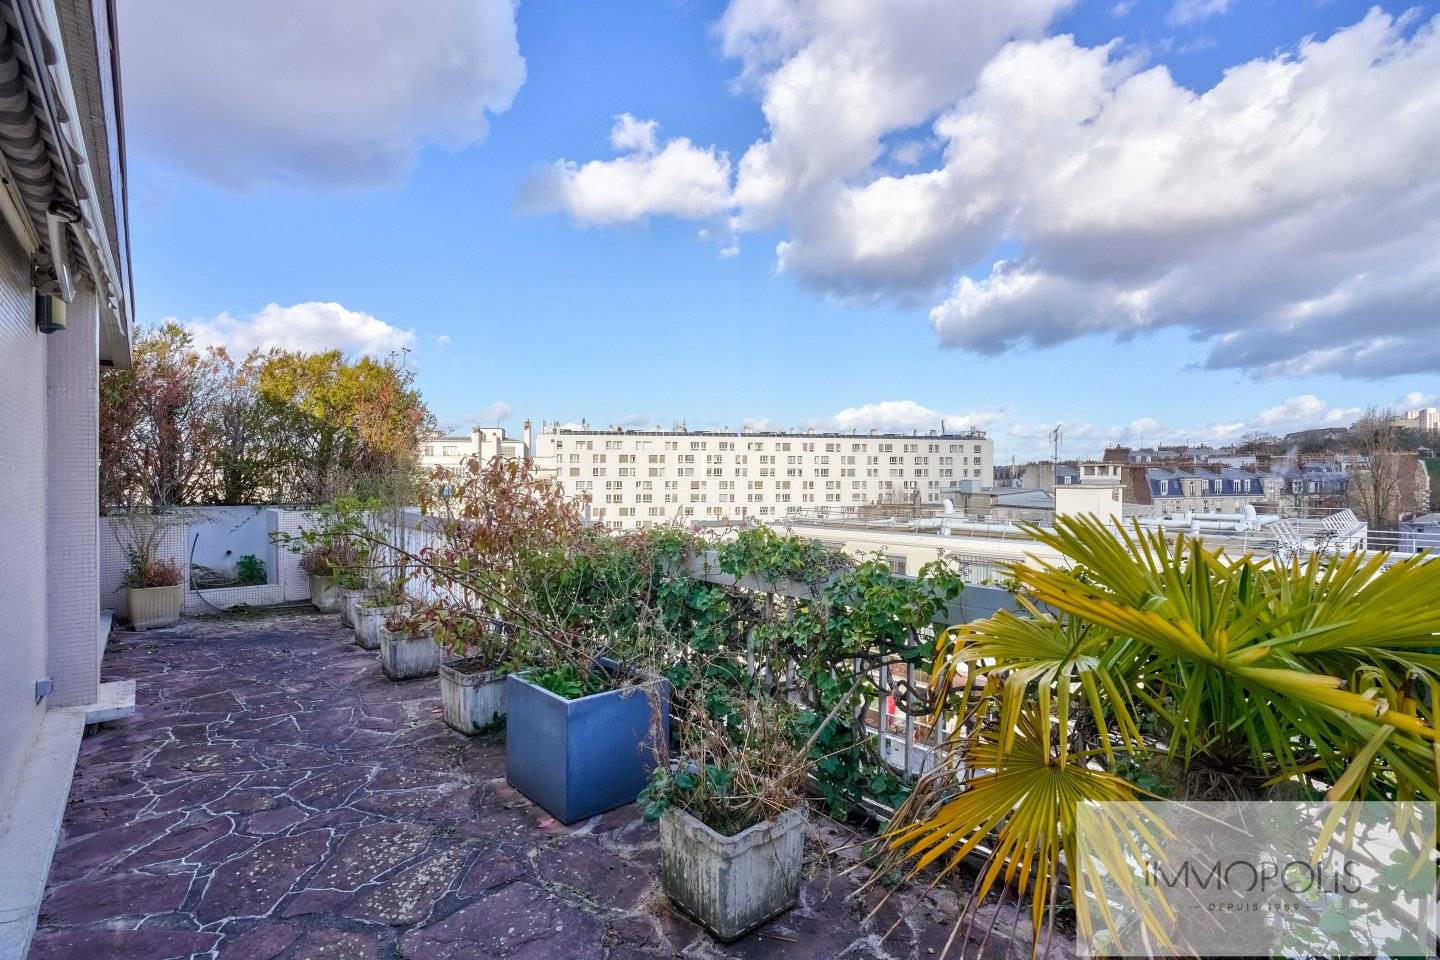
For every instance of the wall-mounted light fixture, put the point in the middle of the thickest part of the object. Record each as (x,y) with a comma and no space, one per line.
(49,313)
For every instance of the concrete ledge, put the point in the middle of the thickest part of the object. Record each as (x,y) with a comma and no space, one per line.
(107,620)
(116,700)
(31,827)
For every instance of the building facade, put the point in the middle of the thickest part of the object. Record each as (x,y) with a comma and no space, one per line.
(64,311)
(450,451)
(637,478)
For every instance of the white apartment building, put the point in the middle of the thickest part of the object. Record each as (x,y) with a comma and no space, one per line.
(483,442)
(637,478)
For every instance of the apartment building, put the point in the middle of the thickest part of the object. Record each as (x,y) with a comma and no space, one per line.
(637,478)
(450,451)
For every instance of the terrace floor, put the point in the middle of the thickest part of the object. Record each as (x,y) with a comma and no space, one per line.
(274,796)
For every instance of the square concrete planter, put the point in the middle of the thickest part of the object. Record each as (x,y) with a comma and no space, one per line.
(577,758)
(408,657)
(472,700)
(324,595)
(731,885)
(154,606)
(349,601)
(369,621)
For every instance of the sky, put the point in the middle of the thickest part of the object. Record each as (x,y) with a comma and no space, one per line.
(1147,222)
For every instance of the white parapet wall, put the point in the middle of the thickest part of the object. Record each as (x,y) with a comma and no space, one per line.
(220,535)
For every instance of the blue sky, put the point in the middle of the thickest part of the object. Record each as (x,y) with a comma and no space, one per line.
(467,241)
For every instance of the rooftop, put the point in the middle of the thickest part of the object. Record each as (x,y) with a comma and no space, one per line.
(274,796)
(783,434)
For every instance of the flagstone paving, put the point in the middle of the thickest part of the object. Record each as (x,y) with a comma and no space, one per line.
(274,796)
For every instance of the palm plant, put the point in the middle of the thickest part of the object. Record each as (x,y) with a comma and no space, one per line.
(1229,676)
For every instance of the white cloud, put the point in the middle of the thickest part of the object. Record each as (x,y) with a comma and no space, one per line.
(1026,439)
(325,92)
(442,341)
(1193,11)
(678,179)
(898,416)
(1289,216)
(311,327)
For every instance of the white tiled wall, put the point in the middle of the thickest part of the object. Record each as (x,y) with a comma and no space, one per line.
(71,492)
(287,582)
(22,510)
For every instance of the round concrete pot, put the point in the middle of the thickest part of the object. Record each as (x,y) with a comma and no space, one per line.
(406,656)
(324,595)
(472,700)
(152,607)
(731,885)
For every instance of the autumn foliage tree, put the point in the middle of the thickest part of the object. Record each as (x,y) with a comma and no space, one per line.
(188,425)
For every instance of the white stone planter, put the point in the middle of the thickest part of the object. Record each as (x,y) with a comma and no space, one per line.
(404,657)
(154,606)
(324,595)
(731,885)
(349,601)
(369,621)
(472,701)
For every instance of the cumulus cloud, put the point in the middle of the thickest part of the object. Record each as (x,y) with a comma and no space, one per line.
(677,178)
(1289,216)
(442,341)
(326,92)
(310,327)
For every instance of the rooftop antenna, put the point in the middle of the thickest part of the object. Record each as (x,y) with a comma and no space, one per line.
(1055,443)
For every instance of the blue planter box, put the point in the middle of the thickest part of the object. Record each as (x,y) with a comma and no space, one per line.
(577,758)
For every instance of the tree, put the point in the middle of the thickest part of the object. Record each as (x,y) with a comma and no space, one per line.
(158,421)
(192,426)
(1375,485)
(342,420)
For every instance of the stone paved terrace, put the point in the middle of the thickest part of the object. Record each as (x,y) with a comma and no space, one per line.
(274,796)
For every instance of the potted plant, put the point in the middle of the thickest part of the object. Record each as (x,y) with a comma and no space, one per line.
(153,591)
(581,737)
(481,654)
(373,610)
(732,810)
(319,563)
(352,591)
(408,650)
(330,546)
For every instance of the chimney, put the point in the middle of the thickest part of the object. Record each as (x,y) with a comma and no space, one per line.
(500,444)
(529,441)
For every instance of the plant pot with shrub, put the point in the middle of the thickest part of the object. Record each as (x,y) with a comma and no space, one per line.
(331,545)
(407,650)
(319,563)
(478,654)
(154,595)
(581,739)
(732,810)
(353,591)
(374,609)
